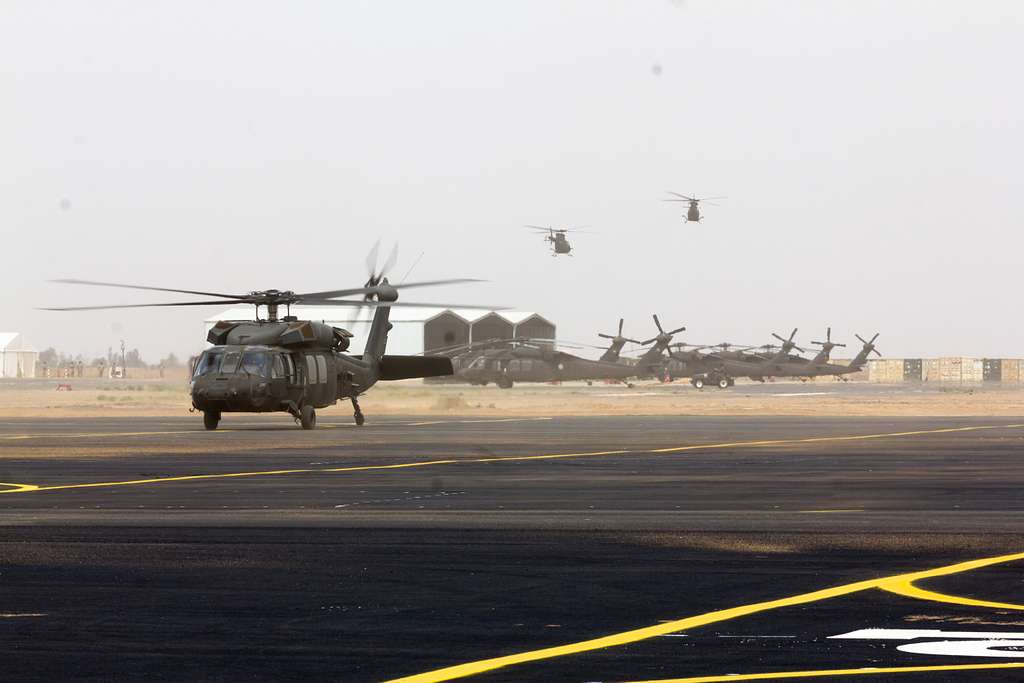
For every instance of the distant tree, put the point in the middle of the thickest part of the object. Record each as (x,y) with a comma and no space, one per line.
(49,356)
(133,359)
(171,361)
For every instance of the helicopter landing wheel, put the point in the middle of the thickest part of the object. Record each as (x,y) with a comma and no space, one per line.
(698,383)
(723,383)
(307,417)
(504,383)
(211,418)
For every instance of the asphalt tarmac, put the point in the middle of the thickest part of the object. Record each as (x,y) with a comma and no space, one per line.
(568,549)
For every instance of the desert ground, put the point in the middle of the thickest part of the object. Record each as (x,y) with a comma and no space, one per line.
(169,397)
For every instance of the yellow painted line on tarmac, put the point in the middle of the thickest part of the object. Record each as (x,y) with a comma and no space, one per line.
(718,616)
(908,589)
(18,488)
(25,488)
(866,671)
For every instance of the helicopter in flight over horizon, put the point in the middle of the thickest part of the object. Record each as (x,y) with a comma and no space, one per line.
(693,211)
(556,237)
(290,365)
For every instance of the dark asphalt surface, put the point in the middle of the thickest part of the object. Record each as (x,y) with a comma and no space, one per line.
(476,547)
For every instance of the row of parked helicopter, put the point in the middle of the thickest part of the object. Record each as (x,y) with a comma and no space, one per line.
(508,361)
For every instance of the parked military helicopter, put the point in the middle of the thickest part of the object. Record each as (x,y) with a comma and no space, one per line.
(693,211)
(782,364)
(651,363)
(611,354)
(532,360)
(556,236)
(286,364)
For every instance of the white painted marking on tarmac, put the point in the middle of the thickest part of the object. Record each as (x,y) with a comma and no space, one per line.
(966,648)
(952,643)
(915,633)
(804,393)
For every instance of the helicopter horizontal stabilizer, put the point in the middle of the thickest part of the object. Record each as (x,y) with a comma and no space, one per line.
(409,367)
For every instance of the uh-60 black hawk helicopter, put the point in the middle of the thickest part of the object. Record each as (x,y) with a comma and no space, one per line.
(556,237)
(693,211)
(291,365)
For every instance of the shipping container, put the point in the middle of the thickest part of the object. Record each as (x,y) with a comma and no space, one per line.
(885,371)
(992,369)
(930,370)
(1010,370)
(972,370)
(912,370)
(951,370)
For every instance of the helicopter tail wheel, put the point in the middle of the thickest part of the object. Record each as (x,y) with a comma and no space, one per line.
(358,414)
(723,383)
(504,383)
(211,418)
(307,417)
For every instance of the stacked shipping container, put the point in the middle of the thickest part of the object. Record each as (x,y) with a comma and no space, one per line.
(951,370)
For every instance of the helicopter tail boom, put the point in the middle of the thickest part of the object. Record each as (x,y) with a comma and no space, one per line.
(410,367)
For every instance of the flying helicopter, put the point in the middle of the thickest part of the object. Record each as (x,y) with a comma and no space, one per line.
(290,365)
(693,211)
(556,237)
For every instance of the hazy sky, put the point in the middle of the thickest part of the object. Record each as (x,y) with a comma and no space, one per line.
(871,153)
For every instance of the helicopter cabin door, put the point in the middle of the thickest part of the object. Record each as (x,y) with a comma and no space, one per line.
(285,381)
(321,381)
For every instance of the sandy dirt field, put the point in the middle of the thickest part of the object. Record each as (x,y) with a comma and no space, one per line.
(40,398)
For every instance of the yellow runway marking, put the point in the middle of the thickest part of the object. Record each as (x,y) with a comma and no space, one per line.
(867,671)
(17,488)
(664,628)
(909,590)
(26,488)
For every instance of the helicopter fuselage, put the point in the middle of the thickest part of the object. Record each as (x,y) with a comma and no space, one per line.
(693,213)
(559,244)
(257,379)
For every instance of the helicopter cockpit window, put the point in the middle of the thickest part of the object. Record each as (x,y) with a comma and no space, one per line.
(255,363)
(209,363)
(230,362)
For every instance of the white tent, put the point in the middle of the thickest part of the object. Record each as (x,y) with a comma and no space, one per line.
(17,357)
(413,327)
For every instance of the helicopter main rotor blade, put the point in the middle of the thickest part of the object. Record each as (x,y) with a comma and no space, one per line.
(401,304)
(371,259)
(219,302)
(71,281)
(390,262)
(355,291)
(689,199)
